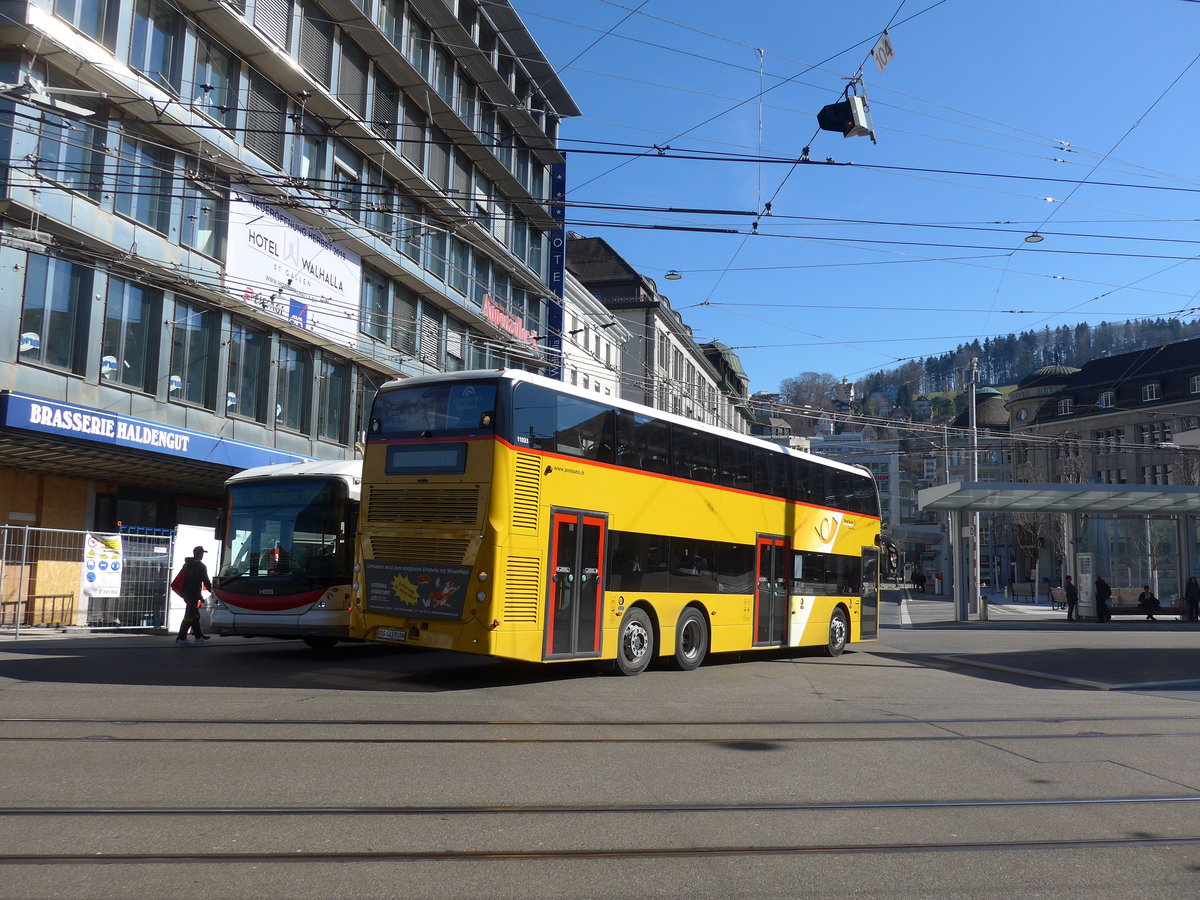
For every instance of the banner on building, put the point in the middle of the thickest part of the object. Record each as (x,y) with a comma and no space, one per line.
(279,264)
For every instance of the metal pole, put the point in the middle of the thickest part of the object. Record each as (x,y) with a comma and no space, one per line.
(973,570)
(22,581)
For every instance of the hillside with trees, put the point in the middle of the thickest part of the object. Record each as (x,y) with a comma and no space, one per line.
(1003,360)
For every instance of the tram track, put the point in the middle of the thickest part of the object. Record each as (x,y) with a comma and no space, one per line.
(311,857)
(576,809)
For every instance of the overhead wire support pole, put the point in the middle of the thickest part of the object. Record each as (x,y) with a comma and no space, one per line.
(974,594)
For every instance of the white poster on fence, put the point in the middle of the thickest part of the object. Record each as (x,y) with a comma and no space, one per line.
(101,565)
(187,538)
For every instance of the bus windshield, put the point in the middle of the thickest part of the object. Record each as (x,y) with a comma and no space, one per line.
(284,527)
(443,409)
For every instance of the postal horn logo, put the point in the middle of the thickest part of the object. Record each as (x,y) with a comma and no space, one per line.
(826,528)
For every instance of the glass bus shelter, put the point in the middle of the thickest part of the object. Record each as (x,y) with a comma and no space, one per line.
(1131,534)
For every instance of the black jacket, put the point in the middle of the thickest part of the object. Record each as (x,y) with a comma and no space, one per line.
(195,574)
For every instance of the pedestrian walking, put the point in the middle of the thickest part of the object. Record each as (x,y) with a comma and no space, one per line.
(1103,593)
(1072,594)
(194,576)
(1191,593)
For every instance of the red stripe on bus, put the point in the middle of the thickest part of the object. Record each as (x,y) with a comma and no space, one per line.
(269,604)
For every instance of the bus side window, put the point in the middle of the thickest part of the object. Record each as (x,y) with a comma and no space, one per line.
(652,439)
(533,417)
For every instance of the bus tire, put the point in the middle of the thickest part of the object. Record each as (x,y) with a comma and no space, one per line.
(691,639)
(635,642)
(320,643)
(839,633)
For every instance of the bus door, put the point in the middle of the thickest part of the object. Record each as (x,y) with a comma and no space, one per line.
(771,592)
(869,620)
(575,598)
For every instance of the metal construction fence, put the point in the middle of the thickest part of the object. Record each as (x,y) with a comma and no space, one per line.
(51,577)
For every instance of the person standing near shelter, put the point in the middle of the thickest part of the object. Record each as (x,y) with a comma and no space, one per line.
(1191,593)
(195,576)
(1072,594)
(1103,593)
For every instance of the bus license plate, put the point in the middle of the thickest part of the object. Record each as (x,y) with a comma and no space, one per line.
(391,634)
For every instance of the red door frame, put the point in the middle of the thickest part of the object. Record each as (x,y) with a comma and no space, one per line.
(583,519)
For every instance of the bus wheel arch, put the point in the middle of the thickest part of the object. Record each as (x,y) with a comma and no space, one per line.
(637,638)
(692,638)
(839,631)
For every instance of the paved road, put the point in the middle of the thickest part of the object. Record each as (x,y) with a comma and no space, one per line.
(1015,757)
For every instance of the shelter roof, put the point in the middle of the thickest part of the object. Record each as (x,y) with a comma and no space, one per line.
(1121,499)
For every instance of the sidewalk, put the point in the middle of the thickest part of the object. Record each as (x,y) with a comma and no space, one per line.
(927,609)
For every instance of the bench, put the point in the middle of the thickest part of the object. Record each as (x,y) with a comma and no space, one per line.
(1024,589)
(1058,598)
(1124,603)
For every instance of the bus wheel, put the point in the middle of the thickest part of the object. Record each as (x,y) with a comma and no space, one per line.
(691,639)
(839,633)
(635,643)
(320,643)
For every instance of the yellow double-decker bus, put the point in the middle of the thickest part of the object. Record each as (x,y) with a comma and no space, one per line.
(507,514)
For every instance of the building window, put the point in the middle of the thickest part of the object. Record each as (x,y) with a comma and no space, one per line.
(132,335)
(215,82)
(1194,384)
(430,348)
(404,319)
(54,313)
(412,134)
(144,182)
(378,205)
(334,401)
(266,110)
(274,19)
(308,155)
(156,47)
(416,48)
(374,310)
(460,265)
(249,363)
(316,43)
(347,181)
(352,78)
(193,355)
(1106,400)
(294,389)
(205,214)
(1156,474)
(71,152)
(435,260)
(1151,391)
(456,345)
(95,18)
(412,228)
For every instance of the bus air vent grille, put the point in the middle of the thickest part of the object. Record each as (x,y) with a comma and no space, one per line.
(423,506)
(521,597)
(443,551)
(527,485)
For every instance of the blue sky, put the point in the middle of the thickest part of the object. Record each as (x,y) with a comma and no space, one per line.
(922,258)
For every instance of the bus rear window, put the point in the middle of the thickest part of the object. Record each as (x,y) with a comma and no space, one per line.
(426,459)
(458,408)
